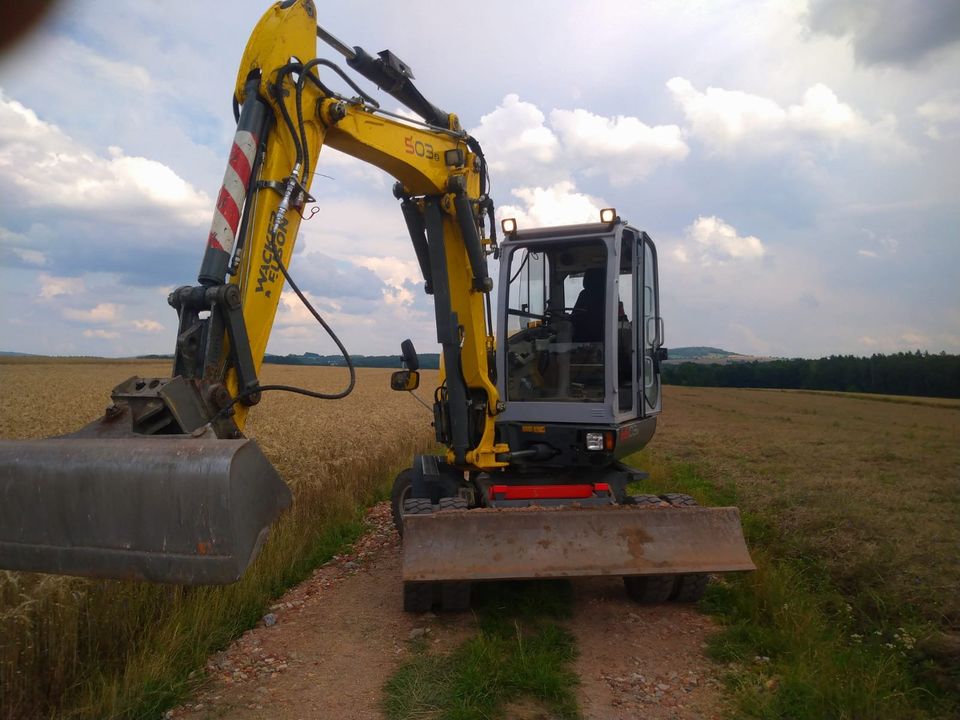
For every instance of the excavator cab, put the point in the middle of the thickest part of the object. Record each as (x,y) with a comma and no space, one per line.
(583,338)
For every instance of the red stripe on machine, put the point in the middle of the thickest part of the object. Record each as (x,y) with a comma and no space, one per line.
(240,163)
(545,492)
(227,207)
(213,242)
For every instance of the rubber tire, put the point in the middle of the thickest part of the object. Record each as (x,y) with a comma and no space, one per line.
(645,500)
(455,596)
(453,503)
(649,589)
(418,597)
(679,500)
(689,587)
(402,486)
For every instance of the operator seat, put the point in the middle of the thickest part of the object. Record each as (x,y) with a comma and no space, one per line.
(588,311)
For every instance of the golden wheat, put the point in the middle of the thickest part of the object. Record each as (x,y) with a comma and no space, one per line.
(72,647)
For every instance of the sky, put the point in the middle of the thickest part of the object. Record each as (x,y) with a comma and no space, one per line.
(797,163)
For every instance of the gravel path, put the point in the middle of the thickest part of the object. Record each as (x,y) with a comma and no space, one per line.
(325,648)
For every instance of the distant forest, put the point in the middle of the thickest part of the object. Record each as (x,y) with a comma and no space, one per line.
(900,374)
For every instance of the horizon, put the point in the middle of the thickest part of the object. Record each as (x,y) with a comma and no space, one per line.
(163,356)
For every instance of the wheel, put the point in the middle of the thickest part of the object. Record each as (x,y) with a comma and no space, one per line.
(417,506)
(679,500)
(644,500)
(689,587)
(418,596)
(649,589)
(453,503)
(455,596)
(402,486)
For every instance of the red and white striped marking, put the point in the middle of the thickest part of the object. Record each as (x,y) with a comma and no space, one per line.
(226,216)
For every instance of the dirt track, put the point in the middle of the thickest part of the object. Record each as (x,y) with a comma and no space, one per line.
(339,635)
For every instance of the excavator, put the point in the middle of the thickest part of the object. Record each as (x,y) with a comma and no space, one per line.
(165,487)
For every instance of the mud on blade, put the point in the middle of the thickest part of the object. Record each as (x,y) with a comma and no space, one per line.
(192,511)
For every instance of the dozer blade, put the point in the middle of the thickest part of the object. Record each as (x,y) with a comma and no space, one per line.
(192,511)
(502,544)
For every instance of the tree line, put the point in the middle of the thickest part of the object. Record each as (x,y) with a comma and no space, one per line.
(917,373)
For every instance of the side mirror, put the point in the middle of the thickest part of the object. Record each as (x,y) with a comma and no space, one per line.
(409,355)
(405,380)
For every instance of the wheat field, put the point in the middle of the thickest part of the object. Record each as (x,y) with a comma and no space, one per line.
(72,647)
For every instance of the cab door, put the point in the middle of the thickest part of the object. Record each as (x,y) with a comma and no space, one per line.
(652,328)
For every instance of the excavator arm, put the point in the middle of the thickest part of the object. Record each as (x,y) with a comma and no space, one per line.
(287,115)
(164,486)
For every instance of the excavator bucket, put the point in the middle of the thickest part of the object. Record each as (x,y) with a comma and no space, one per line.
(175,509)
(517,543)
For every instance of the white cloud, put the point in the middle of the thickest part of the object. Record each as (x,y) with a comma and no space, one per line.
(515,131)
(558,204)
(30,257)
(942,115)
(292,313)
(914,339)
(623,147)
(50,169)
(519,143)
(100,313)
(945,108)
(149,326)
(728,120)
(721,118)
(51,287)
(101,334)
(392,270)
(18,248)
(711,240)
(878,244)
(821,112)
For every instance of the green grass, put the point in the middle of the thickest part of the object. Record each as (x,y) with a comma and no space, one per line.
(795,644)
(520,652)
(163,663)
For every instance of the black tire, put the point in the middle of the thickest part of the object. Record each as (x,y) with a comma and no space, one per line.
(644,500)
(689,587)
(417,506)
(455,596)
(418,597)
(679,500)
(453,503)
(649,589)
(402,486)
